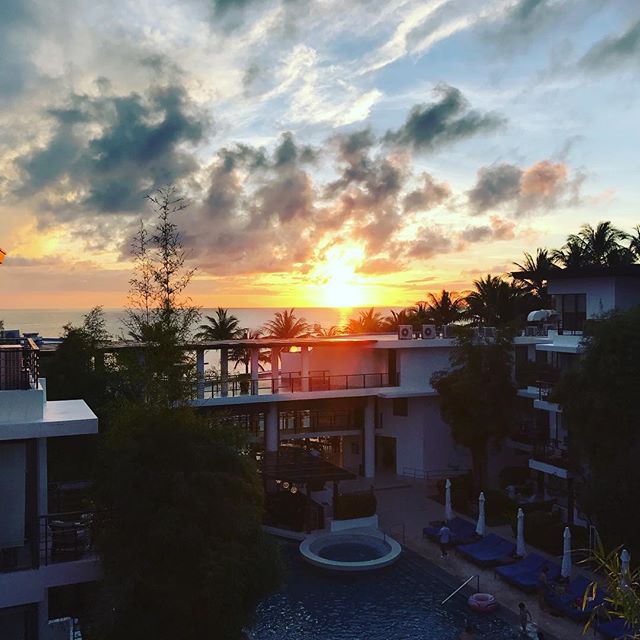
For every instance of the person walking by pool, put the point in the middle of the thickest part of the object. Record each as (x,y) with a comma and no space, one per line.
(525,617)
(444,537)
(543,585)
(469,633)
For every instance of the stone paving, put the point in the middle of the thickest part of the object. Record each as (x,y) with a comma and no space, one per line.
(404,508)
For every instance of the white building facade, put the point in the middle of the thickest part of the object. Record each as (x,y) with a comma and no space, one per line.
(39,550)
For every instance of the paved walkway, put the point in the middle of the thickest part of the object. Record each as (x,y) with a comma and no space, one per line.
(404,508)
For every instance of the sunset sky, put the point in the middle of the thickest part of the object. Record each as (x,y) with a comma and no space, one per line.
(357,152)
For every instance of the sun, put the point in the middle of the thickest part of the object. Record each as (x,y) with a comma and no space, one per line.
(339,283)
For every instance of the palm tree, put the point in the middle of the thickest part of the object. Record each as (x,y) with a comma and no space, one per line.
(242,355)
(369,321)
(286,325)
(321,332)
(537,270)
(395,319)
(221,326)
(419,314)
(445,308)
(634,242)
(496,302)
(571,255)
(599,246)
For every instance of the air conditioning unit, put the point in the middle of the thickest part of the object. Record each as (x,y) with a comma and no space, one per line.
(405,332)
(489,332)
(428,331)
(449,331)
(531,332)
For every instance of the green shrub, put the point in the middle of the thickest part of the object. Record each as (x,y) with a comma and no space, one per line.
(499,508)
(355,505)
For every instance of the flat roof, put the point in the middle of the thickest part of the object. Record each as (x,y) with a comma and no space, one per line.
(261,343)
(299,466)
(628,270)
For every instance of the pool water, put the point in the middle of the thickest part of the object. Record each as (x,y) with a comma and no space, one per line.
(400,602)
(351,552)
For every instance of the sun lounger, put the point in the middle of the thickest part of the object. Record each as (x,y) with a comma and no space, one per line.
(489,551)
(570,603)
(524,574)
(616,628)
(462,532)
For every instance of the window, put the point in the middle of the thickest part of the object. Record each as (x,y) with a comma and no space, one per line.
(572,308)
(401,407)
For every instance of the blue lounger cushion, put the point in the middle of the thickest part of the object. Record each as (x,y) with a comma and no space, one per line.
(615,629)
(462,531)
(570,603)
(489,551)
(525,574)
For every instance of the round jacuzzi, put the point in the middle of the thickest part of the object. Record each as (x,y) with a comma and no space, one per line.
(361,551)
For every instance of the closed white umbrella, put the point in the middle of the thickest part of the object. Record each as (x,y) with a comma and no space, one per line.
(448,512)
(565,570)
(481,527)
(520,548)
(625,561)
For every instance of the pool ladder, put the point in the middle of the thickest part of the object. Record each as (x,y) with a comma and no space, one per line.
(464,584)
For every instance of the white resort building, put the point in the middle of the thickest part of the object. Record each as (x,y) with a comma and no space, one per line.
(42,552)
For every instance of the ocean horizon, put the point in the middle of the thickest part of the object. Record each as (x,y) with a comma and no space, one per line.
(49,323)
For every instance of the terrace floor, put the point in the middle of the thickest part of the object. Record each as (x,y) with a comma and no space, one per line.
(404,508)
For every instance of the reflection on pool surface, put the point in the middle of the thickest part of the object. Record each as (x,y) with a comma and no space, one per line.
(400,602)
(352,552)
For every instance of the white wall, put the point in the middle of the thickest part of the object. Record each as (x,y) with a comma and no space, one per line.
(423,439)
(601,292)
(417,365)
(627,292)
(347,360)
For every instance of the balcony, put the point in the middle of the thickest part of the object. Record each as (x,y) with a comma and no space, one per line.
(552,457)
(66,537)
(19,368)
(291,383)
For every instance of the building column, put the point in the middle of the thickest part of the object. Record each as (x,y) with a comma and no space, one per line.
(369,449)
(200,372)
(271,435)
(224,372)
(255,370)
(275,370)
(304,357)
(43,616)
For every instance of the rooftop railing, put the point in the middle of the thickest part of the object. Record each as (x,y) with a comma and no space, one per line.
(19,364)
(286,383)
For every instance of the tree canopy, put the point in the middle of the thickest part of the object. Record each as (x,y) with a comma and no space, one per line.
(180,533)
(602,416)
(477,395)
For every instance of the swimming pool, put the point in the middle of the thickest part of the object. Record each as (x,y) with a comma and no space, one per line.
(401,602)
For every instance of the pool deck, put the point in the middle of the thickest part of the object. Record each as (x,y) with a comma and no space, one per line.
(404,508)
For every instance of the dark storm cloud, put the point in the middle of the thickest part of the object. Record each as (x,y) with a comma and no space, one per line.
(137,148)
(429,195)
(444,121)
(16,27)
(614,50)
(495,186)
(541,186)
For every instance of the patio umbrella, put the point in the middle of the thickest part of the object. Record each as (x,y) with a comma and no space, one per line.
(481,527)
(520,548)
(625,561)
(448,512)
(565,570)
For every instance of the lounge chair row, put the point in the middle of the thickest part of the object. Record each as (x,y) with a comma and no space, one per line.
(494,550)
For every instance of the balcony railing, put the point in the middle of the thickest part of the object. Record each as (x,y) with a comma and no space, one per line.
(65,537)
(19,365)
(287,383)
